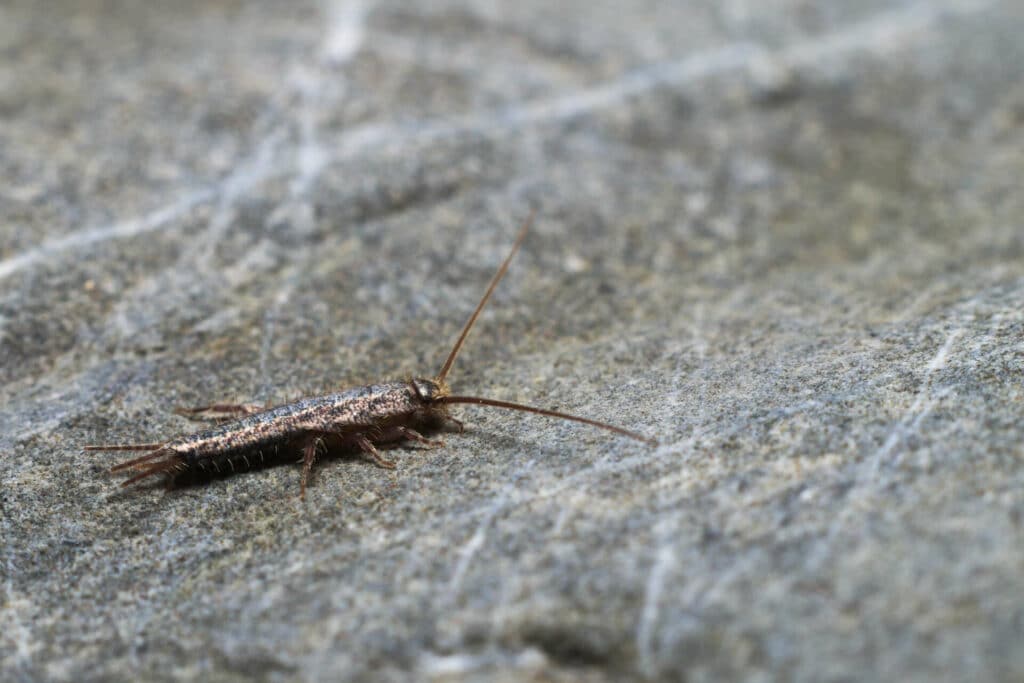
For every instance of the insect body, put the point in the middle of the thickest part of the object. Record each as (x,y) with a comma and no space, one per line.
(359,418)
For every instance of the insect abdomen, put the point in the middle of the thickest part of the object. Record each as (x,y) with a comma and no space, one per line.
(198,467)
(226,463)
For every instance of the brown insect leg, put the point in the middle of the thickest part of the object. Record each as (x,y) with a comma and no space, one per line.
(413,435)
(220,411)
(368,448)
(458,423)
(308,460)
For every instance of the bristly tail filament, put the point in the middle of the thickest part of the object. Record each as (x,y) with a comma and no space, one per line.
(480,401)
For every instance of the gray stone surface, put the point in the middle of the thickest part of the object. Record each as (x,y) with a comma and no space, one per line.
(785,238)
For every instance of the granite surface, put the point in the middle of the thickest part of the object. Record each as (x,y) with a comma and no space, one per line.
(783,238)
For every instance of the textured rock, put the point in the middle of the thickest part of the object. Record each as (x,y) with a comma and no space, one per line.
(785,238)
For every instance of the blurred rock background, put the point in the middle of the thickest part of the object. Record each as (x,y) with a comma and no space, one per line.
(782,237)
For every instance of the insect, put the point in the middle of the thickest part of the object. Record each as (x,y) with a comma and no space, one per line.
(359,418)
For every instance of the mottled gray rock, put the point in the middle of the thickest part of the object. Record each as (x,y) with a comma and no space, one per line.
(784,238)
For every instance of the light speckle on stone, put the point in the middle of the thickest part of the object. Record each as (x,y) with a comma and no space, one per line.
(573,263)
(368,498)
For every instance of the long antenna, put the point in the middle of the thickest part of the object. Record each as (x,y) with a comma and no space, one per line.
(477,400)
(487,295)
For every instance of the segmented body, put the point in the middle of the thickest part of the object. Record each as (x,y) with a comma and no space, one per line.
(359,407)
(359,417)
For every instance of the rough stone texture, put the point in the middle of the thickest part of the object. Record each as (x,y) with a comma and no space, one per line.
(783,237)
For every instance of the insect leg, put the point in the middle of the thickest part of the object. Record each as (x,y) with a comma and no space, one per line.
(220,411)
(413,435)
(308,460)
(369,449)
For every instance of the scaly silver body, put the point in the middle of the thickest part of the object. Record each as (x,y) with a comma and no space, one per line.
(359,408)
(359,417)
